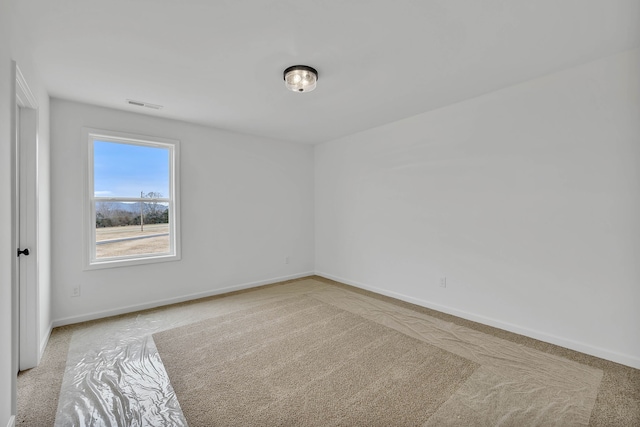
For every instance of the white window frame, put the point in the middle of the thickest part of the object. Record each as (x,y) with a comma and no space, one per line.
(90,261)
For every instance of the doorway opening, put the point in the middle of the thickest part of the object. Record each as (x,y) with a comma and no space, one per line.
(24,176)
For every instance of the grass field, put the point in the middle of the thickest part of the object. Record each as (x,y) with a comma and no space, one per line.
(108,233)
(148,245)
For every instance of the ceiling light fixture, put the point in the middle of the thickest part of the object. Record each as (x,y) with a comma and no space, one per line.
(300,78)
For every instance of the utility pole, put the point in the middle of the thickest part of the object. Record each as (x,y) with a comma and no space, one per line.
(141,215)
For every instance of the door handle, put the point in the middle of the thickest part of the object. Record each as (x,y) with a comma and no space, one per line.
(23,252)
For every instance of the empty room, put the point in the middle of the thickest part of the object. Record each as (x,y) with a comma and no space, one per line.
(303,213)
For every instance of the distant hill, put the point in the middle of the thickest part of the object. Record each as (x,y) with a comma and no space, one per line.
(114,214)
(133,207)
(121,206)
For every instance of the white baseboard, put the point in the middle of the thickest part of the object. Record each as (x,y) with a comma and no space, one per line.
(158,303)
(44,342)
(624,359)
(12,421)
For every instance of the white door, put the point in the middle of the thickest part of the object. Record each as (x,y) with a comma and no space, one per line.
(26,315)
(15,266)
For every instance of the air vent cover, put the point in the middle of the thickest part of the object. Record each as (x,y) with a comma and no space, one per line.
(144,104)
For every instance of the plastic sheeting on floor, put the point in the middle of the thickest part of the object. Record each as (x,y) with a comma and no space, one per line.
(115,377)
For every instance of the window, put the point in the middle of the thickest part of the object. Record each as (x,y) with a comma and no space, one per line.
(131,206)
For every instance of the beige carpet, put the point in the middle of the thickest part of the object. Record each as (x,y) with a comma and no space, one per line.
(528,381)
(304,362)
(38,388)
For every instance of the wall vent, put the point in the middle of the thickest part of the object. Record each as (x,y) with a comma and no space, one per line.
(144,104)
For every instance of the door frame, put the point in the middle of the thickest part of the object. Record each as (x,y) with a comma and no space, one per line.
(26,218)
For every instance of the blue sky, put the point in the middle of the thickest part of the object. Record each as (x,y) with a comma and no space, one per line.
(124,170)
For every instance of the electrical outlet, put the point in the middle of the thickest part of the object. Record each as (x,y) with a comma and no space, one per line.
(443,282)
(75,291)
(286,259)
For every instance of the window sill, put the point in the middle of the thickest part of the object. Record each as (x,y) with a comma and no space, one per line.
(115,263)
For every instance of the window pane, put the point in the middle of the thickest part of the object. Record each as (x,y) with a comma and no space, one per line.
(119,231)
(132,208)
(127,170)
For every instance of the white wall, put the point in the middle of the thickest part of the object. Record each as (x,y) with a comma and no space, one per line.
(526,199)
(247,202)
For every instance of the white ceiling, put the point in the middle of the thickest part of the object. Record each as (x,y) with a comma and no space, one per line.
(220,62)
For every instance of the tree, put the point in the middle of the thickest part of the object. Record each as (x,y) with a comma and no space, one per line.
(152,209)
(152,212)
(104,212)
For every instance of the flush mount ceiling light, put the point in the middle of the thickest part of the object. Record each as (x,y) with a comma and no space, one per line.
(300,78)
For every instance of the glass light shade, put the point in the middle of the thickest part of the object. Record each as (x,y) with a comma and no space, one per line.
(300,78)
